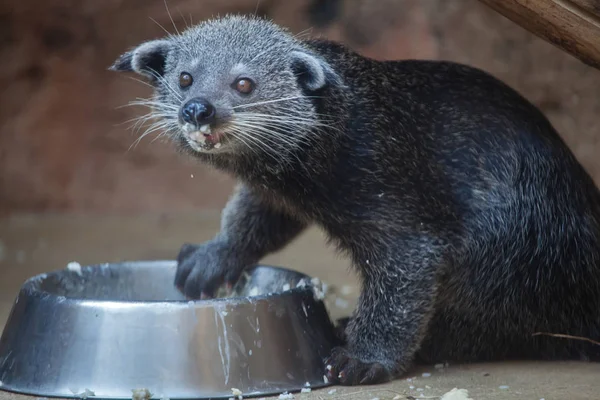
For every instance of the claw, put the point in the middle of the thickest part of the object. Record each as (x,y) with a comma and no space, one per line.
(352,371)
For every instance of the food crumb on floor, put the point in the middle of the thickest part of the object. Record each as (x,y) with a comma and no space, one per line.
(426,375)
(332,391)
(286,396)
(141,394)
(456,394)
(306,390)
(503,387)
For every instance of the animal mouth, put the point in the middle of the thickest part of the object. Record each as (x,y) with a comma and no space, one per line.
(203,138)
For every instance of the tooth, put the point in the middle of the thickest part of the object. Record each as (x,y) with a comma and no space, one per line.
(217,145)
(205,128)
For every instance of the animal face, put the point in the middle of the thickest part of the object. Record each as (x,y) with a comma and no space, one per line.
(232,85)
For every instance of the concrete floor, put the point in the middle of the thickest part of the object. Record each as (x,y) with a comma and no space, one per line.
(34,244)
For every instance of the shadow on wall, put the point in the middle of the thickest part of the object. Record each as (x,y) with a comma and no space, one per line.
(64,143)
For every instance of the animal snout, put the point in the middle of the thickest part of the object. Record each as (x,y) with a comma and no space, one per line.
(198,112)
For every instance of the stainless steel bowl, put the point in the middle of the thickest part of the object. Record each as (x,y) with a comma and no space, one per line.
(106,330)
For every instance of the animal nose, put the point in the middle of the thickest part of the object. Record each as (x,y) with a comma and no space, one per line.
(198,112)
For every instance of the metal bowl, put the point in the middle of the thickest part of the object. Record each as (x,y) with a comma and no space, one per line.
(106,330)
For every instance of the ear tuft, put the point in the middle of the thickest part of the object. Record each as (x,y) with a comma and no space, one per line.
(123,63)
(147,59)
(313,72)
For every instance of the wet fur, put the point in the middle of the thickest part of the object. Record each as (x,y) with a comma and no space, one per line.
(469,221)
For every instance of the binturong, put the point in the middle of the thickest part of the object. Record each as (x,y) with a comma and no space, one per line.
(471,224)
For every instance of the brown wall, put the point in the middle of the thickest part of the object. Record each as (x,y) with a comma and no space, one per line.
(63,142)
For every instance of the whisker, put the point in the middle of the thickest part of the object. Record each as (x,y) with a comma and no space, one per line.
(167,131)
(303,33)
(278,147)
(287,111)
(141,81)
(171,36)
(266,124)
(139,122)
(152,128)
(276,116)
(151,103)
(279,125)
(261,145)
(253,133)
(241,137)
(284,120)
(161,27)
(166,83)
(273,101)
(257,7)
(276,138)
(183,18)
(173,22)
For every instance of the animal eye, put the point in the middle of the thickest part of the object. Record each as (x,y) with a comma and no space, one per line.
(244,86)
(185,80)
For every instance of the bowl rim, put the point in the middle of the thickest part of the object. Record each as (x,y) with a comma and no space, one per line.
(30,288)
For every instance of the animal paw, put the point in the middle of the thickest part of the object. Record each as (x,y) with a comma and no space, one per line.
(203,269)
(348,370)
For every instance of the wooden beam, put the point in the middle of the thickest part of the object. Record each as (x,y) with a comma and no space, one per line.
(572,25)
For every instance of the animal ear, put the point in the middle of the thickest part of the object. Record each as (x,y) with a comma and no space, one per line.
(313,72)
(147,59)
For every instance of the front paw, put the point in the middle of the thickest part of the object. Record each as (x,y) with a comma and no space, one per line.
(348,370)
(203,269)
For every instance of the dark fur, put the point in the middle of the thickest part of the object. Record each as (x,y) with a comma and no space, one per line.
(470,222)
